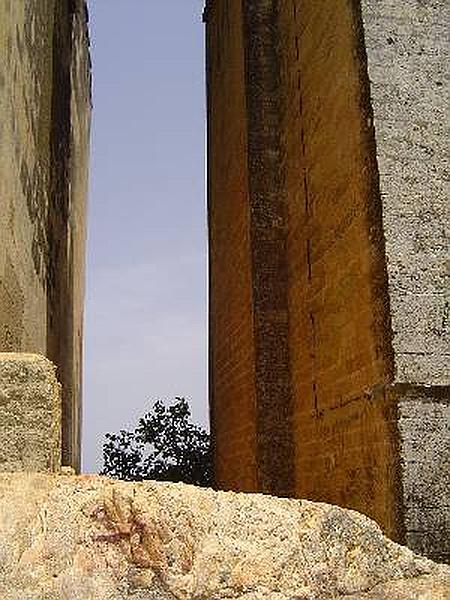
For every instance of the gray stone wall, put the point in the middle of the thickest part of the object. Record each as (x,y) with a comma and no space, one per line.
(407,44)
(424,426)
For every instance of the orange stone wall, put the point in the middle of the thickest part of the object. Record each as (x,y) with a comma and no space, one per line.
(300,339)
(325,383)
(231,314)
(344,428)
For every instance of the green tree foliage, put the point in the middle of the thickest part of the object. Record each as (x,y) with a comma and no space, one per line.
(165,446)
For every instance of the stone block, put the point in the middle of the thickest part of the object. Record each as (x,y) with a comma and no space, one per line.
(30,414)
(424,436)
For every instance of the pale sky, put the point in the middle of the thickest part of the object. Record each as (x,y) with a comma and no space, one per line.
(145,327)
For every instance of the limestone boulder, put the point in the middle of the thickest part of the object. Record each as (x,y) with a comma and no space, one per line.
(88,537)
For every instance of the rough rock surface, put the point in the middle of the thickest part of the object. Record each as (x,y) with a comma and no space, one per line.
(87,537)
(30,413)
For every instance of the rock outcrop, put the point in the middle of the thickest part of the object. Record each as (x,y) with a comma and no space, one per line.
(88,537)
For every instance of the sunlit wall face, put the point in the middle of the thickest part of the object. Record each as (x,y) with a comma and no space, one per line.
(145,328)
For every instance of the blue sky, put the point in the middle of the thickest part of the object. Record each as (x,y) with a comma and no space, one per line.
(145,327)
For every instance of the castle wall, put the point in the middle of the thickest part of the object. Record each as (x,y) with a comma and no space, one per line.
(407,52)
(80,69)
(339,337)
(26,80)
(344,120)
(45,107)
(407,55)
(231,325)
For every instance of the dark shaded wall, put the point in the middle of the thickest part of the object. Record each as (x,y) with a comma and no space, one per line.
(45,110)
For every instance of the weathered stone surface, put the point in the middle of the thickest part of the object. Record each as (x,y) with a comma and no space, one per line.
(407,53)
(30,414)
(232,390)
(424,426)
(328,166)
(88,537)
(44,137)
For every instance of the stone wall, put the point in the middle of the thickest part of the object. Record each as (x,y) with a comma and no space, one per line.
(44,132)
(408,53)
(407,57)
(231,320)
(339,337)
(345,159)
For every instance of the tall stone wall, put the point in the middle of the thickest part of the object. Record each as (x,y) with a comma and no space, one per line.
(345,159)
(339,339)
(44,136)
(231,323)
(407,60)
